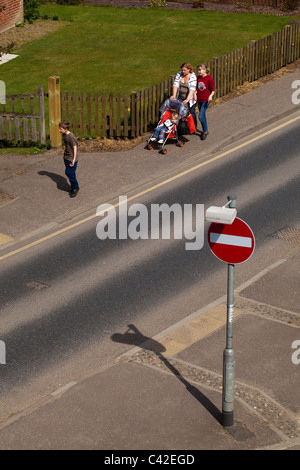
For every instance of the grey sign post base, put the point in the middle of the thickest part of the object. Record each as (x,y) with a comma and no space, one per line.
(228,356)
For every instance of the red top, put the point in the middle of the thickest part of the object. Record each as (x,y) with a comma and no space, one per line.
(205,85)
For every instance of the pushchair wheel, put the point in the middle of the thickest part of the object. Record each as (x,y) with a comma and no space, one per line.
(163,151)
(180,144)
(149,146)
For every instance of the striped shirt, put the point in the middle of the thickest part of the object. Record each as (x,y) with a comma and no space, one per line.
(192,83)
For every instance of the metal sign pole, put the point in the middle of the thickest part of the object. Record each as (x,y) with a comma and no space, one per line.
(228,354)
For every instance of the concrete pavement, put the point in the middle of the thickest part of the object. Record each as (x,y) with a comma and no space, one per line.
(165,393)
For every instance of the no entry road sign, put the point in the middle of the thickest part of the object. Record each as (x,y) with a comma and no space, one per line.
(233,243)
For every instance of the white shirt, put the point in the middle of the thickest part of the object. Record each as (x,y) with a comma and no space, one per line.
(168,124)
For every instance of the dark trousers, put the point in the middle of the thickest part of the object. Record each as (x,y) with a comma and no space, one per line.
(192,110)
(70,172)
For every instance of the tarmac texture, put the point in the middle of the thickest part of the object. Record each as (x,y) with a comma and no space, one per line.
(172,397)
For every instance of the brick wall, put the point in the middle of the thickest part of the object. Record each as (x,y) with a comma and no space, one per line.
(11,15)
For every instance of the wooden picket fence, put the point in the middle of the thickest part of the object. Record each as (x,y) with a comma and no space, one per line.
(92,115)
(22,118)
(114,116)
(256,60)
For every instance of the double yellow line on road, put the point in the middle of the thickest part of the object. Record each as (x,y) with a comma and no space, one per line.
(156,186)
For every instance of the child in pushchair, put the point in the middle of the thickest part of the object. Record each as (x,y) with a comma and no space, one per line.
(171,112)
(164,128)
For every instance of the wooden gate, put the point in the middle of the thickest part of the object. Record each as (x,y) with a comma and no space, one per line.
(22,118)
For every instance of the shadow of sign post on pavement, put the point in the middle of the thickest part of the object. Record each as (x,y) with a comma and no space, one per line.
(135,338)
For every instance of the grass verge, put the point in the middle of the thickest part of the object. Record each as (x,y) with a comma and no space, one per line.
(107,49)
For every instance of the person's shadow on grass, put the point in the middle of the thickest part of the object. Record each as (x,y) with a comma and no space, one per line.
(61,182)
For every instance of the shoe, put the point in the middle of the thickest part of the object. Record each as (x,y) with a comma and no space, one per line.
(73,192)
(203,135)
(152,138)
(161,141)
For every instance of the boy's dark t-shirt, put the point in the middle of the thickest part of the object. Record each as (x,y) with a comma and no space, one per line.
(70,141)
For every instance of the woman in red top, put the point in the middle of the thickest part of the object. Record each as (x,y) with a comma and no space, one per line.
(204,93)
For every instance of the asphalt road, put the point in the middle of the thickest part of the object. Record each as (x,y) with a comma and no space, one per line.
(65,301)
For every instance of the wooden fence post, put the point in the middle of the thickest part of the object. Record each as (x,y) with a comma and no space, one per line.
(42,116)
(54,110)
(133,106)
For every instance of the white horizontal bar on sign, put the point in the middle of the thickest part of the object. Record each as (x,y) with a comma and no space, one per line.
(234,240)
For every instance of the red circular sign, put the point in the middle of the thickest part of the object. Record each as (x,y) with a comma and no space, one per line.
(233,243)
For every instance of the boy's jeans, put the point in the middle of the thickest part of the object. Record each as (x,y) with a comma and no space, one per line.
(70,172)
(203,105)
(159,132)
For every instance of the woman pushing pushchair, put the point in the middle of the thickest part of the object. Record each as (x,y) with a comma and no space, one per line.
(184,87)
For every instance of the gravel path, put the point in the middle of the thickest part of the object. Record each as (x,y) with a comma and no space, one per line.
(229,8)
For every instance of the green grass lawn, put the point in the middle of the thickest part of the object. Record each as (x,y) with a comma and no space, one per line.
(107,49)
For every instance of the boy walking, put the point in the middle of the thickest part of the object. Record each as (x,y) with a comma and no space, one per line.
(70,155)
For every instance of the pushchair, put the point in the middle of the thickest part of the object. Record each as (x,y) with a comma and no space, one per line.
(168,107)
